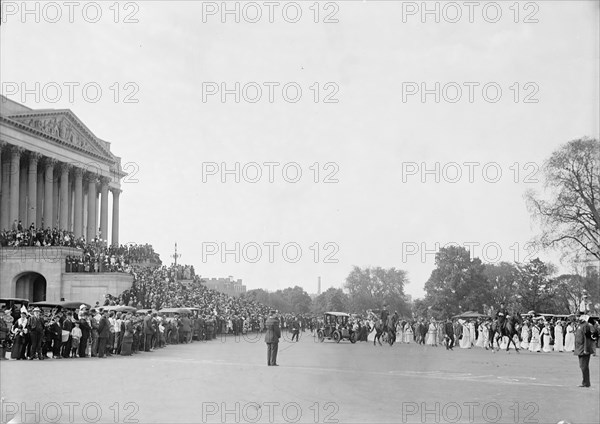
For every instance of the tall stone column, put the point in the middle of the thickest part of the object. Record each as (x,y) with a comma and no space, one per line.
(92,180)
(104,208)
(115,217)
(40,199)
(56,198)
(64,196)
(78,204)
(48,192)
(98,208)
(15,173)
(32,179)
(4,186)
(23,193)
(70,200)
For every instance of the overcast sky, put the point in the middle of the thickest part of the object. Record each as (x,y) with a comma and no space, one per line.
(369,133)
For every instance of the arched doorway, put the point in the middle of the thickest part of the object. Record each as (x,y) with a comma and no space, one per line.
(32,286)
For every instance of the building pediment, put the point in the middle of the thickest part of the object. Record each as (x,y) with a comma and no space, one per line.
(64,127)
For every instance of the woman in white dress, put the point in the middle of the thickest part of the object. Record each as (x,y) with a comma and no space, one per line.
(486,334)
(558,337)
(408,333)
(525,336)
(431,339)
(570,338)
(534,344)
(480,335)
(400,332)
(472,334)
(547,337)
(440,333)
(465,341)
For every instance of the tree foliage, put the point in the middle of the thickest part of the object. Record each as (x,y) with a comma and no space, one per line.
(502,285)
(569,291)
(371,288)
(569,215)
(457,284)
(331,300)
(291,299)
(535,287)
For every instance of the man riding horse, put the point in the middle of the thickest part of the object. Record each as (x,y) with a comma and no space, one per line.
(505,325)
(384,317)
(501,315)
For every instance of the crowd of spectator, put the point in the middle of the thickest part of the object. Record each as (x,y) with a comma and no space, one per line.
(96,332)
(18,236)
(162,287)
(28,334)
(97,257)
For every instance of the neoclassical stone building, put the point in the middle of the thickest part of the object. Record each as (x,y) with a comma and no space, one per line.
(55,173)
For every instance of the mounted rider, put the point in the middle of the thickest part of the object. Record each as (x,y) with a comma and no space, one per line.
(384,317)
(501,315)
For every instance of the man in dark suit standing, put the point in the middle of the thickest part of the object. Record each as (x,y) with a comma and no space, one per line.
(148,331)
(67,326)
(449,338)
(186,327)
(36,330)
(86,330)
(272,338)
(103,334)
(584,347)
(295,329)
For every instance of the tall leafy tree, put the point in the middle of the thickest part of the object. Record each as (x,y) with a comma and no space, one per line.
(503,284)
(372,287)
(331,300)
(257,295)
(457,284)
(570,212)
(298,301)
(535,287)
(291,299)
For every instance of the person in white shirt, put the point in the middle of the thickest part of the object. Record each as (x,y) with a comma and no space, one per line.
(558,336)
(118,335)
(546,337)
(570,337)
(111,338)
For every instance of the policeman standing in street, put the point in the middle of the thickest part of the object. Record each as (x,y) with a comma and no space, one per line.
(272,338)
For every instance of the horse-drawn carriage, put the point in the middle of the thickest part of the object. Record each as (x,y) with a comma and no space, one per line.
(336,327)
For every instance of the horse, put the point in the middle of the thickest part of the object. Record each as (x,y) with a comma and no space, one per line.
(390,331)
(509,329)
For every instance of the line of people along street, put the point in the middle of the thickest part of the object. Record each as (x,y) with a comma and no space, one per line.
(90,332)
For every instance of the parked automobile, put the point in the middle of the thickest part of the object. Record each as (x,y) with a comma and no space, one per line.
(336,327)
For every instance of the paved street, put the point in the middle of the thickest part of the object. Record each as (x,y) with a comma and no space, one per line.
(227,380)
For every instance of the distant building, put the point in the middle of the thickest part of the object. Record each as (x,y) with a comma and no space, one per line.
(228,285)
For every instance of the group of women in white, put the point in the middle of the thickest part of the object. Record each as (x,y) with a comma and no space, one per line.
(536,336)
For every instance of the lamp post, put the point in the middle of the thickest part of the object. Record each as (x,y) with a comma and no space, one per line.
(175,256)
